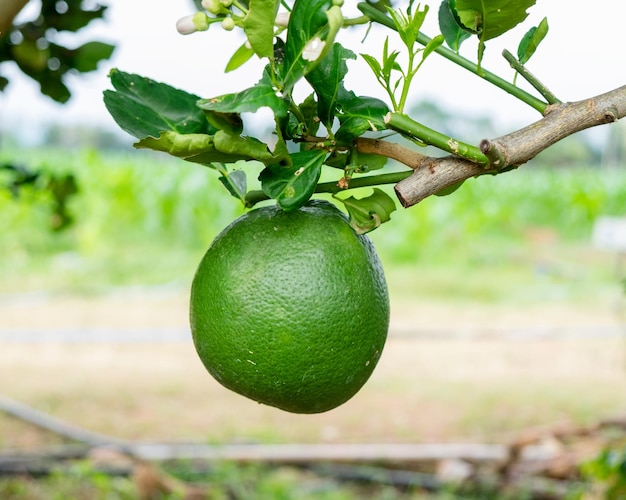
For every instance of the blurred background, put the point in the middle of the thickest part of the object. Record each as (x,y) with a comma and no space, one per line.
(508,298)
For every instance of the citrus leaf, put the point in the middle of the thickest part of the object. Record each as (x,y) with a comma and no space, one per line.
(241,56)
(432,45)
(75,16)
(143,107)
(249,100)
(409,25)
(366,214)
(374,65)
(87,56)
(490,18)
(327,80)
(308,24)
(245,147)
(359,114)
(368,162)
(450,189)
(531,41)
(235,183)
(229,122)
(292,186)
(196,148)
(454,34)
(259,26)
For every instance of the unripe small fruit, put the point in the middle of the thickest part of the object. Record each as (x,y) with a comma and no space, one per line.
(228,23)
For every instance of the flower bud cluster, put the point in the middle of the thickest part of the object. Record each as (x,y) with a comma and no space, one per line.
(218,11)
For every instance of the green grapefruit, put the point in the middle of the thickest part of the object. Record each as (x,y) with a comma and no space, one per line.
(290,309)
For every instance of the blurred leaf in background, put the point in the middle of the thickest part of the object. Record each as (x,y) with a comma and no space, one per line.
(34,46)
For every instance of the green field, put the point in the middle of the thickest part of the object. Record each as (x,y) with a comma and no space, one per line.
(143,218)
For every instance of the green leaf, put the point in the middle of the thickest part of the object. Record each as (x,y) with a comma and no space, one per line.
(249,100)
(327,80)
(450,189)
(490,18)
(308,20)
(88,55)
(432,45)
(367,162)
(196,148)
(453,33)
(241,56)
(73,18)
(308,109)
(358,115)
(244,147)
(373,63)
(389,62)
(259,26)
(236,184)
(409,25)
(366,214)
(292,186)
(229,122)
(531,41)
(143,107)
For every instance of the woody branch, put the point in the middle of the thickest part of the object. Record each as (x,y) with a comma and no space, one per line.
(560,120)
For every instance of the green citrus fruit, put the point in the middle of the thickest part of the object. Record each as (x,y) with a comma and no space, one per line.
(291,308)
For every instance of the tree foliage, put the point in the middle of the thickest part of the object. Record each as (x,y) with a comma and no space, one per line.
(335,127)
(35,47)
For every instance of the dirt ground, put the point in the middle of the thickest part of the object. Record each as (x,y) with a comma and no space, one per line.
(450,372)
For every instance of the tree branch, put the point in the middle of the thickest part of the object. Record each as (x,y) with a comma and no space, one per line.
(8,10)
(516,148)
(408,156)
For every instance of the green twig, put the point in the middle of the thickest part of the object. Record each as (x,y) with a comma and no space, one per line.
(530,78)
(254,197)
(408,126)
(534,102)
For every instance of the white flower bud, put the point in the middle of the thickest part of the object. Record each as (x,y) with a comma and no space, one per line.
(313,49)
(215,7)
(185,25)
(192,23)
(228,23)
(282,19)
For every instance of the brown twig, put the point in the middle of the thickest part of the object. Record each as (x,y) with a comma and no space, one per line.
(407,156)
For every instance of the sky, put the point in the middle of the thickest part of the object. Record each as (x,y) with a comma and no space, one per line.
(582,56)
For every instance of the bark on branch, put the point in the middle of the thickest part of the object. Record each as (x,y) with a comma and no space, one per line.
(432,175)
